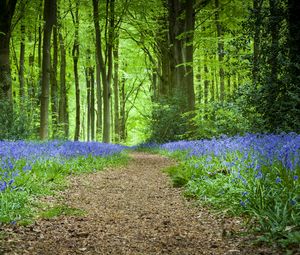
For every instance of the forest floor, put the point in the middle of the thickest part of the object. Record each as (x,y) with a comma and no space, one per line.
(130,210)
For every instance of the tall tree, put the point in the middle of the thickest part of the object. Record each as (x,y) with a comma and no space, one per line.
(116,91)
(7,9)
(49,18)
(220,34)
(22,60)
(106,73)
(75,54)
(63,100)
(294,55)
(53,78)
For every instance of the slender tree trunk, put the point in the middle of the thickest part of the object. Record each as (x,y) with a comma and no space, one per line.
(257,4)
(49,17)
(206,81)
(75,54)
(116,91)
(21,69)
(53,78)
(63,101)
(99,99)
(220,50)
(199,82)
(88,102)
(92,103)
(122,110)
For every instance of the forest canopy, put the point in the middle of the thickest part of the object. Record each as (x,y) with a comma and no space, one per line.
(129,71)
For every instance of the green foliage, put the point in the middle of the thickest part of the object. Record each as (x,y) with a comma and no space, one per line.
(167,124)
(18,203)
(61,210)
(229,118)
(15,124)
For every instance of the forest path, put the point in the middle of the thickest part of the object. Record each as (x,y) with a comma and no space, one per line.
(130,210)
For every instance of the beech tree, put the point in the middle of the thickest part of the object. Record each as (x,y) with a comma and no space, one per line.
(49,18)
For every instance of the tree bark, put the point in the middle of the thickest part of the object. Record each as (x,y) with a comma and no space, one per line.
(75,54)
(21,69)
(92,103)
(294,48)
(116,91)
(99,98)
(49,18)
(88,101)
(63,100)
(220,50)
(7,9)
(53,79)
(105,77)
(257,5)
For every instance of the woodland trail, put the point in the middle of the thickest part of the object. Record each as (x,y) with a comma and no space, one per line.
(130,210)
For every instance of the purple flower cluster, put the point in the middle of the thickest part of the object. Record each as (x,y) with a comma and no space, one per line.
(270,159)
(254,150)
(11,153)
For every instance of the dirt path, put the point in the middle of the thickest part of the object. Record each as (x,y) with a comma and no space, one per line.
(132,210)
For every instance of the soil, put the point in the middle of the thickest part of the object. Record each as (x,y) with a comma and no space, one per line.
(130,210)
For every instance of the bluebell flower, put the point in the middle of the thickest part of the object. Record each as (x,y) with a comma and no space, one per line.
(259,175)
(3,186)
(296,177)
(245,193)
(278,180)
(293,202)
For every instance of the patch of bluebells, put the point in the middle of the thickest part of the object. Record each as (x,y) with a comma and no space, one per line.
(271,159)
(11,153)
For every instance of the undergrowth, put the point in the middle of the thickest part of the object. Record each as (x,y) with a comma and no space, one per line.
(44,178)
(259,181)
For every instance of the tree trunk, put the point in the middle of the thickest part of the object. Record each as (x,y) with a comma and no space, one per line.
(122,111)
(75,54)
(92,103)
(49,18)
(257,5)
(294,47)
(106,78)
(21,69)
(53,78)
(7,9)
(189,53)
(63,101)
(181,35)
(88,102)
(99,99)
(220,50)
(116,91)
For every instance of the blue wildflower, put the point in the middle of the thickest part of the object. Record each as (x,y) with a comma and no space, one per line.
(293,202)
(278,180)
(3,186)
(245,193)
(296,177)
(259,175)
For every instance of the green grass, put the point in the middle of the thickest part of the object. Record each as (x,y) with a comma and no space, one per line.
(61,210)
(20,204)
